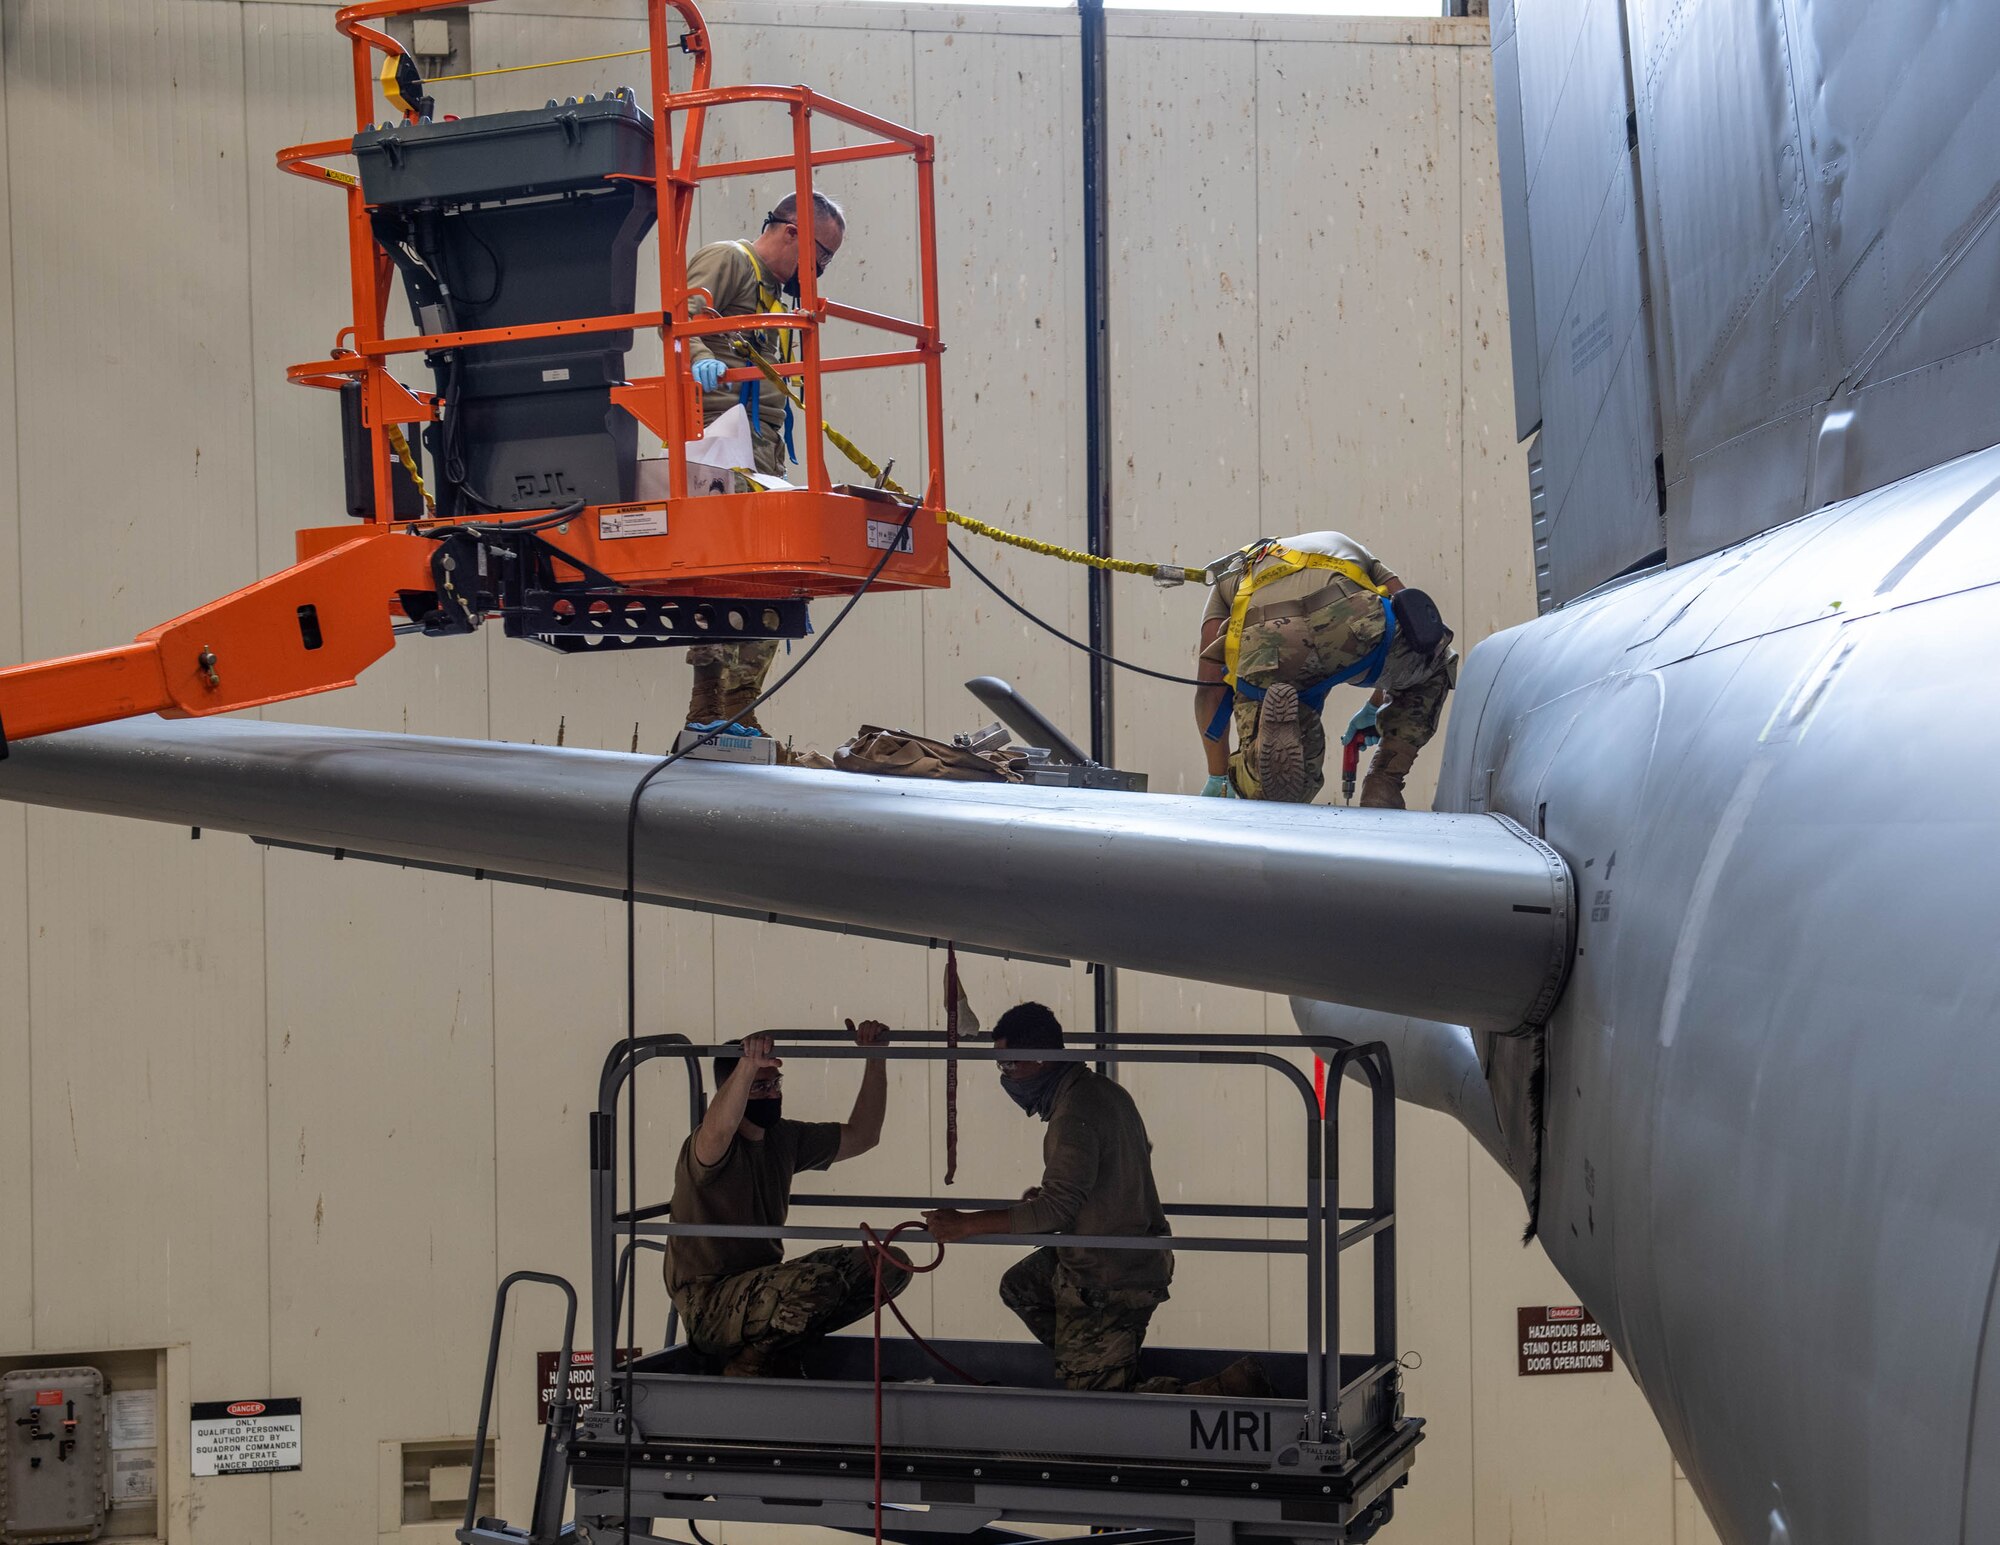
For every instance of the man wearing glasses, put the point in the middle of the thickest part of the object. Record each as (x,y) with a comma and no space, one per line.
(742,1302)
(742,278)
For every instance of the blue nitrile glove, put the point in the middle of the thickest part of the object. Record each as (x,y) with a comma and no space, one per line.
(1218,787)
(708,373)
(1362,723)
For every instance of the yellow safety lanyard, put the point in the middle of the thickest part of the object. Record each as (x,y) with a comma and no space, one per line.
(769,299)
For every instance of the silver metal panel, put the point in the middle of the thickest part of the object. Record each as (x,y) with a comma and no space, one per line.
(1584,288)
(1819,233)
(1362,903)
(1574,191)
(1784,954)
(1514,230)
(1726,206)
(1611,518)
(1546,33)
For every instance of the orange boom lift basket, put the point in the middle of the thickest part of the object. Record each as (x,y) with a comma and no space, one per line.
(561,543)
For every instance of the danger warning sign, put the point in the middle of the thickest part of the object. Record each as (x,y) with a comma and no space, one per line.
(582,1378)
(245,1437)
(1561,1338)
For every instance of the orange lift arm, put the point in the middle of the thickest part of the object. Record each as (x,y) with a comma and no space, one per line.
(661,568)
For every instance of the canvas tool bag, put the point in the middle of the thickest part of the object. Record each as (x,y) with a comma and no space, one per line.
(901,754)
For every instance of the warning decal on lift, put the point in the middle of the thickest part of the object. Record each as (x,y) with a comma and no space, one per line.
(613,525)
(1561,1338)
(885,534)
(582,1378)
(245,1437)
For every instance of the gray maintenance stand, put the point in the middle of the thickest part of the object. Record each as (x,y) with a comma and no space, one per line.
(672,1439)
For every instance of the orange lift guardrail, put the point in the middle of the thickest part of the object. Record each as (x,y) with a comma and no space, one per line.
(317,625)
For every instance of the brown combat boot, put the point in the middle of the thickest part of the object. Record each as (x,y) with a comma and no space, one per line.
(1382,789)
(755,1363)
(1281,752)
(1244,1379)
(705,698)
(735,708)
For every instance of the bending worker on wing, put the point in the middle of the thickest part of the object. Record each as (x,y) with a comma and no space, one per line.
(1090,1306)
(745,277)
(1297,618)
(741,1300)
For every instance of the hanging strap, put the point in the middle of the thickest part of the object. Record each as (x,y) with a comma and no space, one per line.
(951,996)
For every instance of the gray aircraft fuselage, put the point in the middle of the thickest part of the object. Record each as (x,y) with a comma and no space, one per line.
(1769,1143)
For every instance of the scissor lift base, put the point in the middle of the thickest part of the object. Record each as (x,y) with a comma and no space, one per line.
(959,1459)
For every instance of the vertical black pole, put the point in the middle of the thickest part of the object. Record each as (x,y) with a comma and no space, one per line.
(1097,427)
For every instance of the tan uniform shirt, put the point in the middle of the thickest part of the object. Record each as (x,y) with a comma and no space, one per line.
(1297,588)
(729,273)
(1097,1178)
(752,1184)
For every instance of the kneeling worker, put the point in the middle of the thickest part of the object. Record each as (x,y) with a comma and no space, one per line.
(740,1299)
(1305,615)
(1091,1307)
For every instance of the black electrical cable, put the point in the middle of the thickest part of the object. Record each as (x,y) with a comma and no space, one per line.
(465,224)
(505,527)
(632,989)
(1074,643)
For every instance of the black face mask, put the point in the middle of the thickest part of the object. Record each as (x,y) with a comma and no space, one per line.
(1036,1093)
(791,289)
(765,1112)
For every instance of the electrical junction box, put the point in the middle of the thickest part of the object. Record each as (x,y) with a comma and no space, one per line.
(52,1455)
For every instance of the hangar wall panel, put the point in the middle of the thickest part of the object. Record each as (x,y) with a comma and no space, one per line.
(319,1109)
(17,1262)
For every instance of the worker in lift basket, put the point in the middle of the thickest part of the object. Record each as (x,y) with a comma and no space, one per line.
(743,277)
(1299,617)
(741,1300)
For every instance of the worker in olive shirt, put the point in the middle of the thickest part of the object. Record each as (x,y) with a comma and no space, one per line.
(741,1300)
(1091,1307)
(744,277)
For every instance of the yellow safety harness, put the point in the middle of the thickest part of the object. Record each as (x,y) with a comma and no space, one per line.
(1287,563)
(769,299)
(1280,563)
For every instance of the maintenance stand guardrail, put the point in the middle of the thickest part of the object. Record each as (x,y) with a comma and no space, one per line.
(1316,1461)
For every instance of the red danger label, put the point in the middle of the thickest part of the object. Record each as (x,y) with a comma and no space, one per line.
(247,1408)
(1565,1311)
(48,1397)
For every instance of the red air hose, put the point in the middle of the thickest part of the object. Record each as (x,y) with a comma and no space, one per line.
(878,1256)
(952,992)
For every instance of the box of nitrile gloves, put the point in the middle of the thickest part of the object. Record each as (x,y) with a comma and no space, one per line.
(756,750)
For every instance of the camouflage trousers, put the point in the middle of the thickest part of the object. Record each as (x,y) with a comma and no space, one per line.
(772,1312)
(743,667)
(1302,649)
(1095,1332)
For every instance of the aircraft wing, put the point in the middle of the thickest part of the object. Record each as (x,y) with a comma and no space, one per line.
(1461,918)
